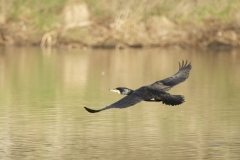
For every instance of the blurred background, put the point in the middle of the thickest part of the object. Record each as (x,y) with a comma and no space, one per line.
(57,56)
(106,23)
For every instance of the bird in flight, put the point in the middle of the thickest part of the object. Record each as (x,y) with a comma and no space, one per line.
(156,92)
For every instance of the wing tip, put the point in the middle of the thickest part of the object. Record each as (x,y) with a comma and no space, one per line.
(92,110)
(184,64)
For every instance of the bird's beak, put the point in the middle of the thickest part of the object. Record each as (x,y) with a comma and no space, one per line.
(115,90)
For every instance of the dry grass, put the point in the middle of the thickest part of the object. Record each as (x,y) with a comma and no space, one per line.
(134,23)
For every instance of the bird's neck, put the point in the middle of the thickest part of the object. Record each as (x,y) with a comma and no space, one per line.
(130,92)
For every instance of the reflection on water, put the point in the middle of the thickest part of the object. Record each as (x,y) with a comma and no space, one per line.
(42,94)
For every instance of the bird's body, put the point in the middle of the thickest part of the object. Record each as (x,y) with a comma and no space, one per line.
(155,92)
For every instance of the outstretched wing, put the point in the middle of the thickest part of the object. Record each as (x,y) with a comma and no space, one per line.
(125,102)
(177,78)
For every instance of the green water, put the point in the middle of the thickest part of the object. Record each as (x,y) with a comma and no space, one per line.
(42,94)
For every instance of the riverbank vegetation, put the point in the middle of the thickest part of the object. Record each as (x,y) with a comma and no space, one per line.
(120,24)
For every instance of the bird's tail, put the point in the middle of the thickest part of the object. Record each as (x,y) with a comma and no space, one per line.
(173,100)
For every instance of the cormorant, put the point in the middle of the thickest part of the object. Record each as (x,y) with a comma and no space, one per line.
(155,92)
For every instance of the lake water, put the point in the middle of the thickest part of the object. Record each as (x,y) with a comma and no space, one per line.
(43,92)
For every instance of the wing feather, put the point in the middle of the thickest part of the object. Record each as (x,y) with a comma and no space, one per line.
(125,102)
(180,76)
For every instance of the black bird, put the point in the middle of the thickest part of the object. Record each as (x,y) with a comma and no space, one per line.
(155,92)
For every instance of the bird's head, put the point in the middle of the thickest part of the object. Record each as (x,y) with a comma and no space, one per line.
(122,90)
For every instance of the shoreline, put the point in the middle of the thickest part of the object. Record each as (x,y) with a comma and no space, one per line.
(76,24)
(218,36)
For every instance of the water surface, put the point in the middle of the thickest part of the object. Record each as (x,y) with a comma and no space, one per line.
(42,94)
